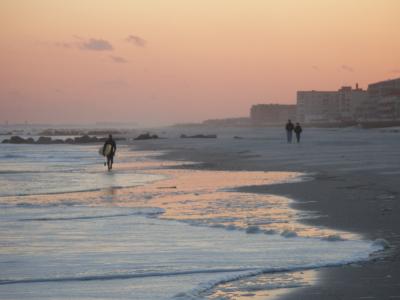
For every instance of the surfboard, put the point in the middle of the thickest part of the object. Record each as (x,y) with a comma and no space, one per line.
(107,150)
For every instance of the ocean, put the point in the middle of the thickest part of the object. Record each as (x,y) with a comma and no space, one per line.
(146,230)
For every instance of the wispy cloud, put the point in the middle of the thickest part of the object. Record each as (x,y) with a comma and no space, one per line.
(347,68)
(92,44)
(118,59)
(136,40)
(96,45)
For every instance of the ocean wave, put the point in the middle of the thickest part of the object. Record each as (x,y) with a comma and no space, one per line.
(120,276)
(53,193)
(115,187)
(382,243)
(153,212)
(227,274)
(238,274)
(203,288)
(10,172)
(65,203)
(219,223)
(5,156)
(289,233)
(333,238)
(253,229)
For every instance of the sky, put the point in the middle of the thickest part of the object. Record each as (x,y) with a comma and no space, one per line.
(157,62)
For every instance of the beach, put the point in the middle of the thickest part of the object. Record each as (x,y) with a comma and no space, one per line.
(200,150)
(354,187)
(218,218)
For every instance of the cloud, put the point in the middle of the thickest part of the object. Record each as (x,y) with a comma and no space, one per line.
(136,40)
(118,59)
(347,68)
(96,45)
(84,44)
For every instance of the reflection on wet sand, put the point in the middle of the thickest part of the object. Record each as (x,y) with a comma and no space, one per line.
(201,197)
(207,198)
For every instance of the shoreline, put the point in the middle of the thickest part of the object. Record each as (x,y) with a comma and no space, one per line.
(185,187)
(361,202)
(364,207)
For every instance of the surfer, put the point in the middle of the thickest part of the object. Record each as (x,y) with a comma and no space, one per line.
(109,149)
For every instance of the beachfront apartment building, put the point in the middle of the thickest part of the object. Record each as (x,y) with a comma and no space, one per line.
(344,104)
(272,113)
(316,106)
(383,100)
(389,107)
(348,105)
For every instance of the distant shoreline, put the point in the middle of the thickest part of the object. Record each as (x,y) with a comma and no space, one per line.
(360,124)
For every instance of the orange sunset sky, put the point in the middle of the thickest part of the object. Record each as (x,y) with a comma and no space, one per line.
(159,62)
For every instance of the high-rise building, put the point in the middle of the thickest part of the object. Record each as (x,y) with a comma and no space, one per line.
(344,104)
(383,100)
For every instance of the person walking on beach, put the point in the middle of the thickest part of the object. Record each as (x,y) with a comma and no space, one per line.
(109,149)
(297,131)
(289,131)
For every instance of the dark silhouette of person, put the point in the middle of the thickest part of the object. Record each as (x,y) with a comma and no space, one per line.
(289,131)
(297,131)
(110,156)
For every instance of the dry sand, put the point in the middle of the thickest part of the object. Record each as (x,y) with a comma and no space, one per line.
(355,187)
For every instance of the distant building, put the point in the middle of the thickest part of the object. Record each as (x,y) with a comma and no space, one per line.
(384,88)
(383,100)
(316,106)
(351,102)
(389,107)
(344,104)
(272,113)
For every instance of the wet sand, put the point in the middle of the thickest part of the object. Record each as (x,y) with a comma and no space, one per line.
(355,188)
(366,204)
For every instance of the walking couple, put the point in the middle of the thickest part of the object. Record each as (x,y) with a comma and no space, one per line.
(289,131)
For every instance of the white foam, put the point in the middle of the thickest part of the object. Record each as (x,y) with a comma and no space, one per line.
(198,292)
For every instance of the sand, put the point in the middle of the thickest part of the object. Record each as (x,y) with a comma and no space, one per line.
(355,187)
